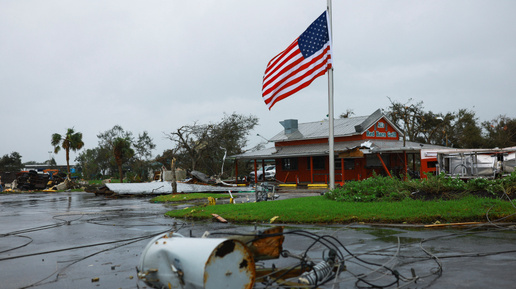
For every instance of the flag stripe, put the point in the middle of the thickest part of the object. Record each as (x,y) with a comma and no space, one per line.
(278,72)
(303,85)
(281,72)
(298,80)
(299,64)
(304,76)
(274,61)
(292,71)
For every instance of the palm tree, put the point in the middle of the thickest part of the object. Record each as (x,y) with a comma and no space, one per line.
(123,152)
(70,141)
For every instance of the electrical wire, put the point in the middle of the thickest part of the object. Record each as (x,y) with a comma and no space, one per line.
(329,242)
(62,220)
(20,246)
(57,272)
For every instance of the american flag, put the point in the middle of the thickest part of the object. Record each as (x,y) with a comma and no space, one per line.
(307,58)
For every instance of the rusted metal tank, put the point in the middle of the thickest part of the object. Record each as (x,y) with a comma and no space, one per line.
(173,261)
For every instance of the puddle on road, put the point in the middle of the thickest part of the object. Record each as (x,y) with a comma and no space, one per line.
(389,235)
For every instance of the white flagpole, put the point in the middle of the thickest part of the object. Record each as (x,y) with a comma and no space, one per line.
(330,109)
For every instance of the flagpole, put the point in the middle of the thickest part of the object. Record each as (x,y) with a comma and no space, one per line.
(330,109)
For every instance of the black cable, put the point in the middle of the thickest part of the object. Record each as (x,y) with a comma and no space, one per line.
(21,246)
(328,242)
(88,256)
(83,246)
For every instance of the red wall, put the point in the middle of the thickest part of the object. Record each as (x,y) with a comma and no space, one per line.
(428,166)
(303,174)
(380,131)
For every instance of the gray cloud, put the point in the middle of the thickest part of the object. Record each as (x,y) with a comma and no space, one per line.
(156,65)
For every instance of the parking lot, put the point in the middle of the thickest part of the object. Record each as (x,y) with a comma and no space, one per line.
(79,240)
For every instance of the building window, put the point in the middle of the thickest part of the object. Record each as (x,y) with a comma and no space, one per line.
(372,161)
(349,164)
(289,164)
(319,163)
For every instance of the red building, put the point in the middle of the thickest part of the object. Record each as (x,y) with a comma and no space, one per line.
(363,145)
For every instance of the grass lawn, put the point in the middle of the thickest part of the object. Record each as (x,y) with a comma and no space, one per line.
(187,197)
(318,209)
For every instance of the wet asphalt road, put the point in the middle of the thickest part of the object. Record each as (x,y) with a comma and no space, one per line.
(68,240)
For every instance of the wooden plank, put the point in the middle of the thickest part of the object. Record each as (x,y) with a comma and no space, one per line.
(453,224)
(219,218)
(354,153)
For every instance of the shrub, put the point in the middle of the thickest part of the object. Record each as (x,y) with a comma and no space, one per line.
(482,184)
(372,189)
(379,188)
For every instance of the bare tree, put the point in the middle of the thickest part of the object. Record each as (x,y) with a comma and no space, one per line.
(202,147)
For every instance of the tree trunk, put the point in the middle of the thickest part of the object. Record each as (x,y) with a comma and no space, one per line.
(68,162)
(193,163)
(120,173)
(173,168)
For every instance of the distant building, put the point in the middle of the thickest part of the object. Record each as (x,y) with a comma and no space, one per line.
(363,145)
(42,168)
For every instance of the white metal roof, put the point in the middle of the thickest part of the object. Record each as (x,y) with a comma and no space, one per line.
(341,126)
(375,146)
(160,188)
(320,129)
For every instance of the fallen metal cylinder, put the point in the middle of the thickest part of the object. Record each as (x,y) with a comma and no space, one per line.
(173,261)
(320,271)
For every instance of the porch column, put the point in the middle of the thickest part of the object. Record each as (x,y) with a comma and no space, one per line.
(263,170)
(255,172)
(312,169)
(342,171)
(236,171)
(405,165)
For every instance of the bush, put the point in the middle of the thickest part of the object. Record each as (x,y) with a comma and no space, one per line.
(482,184)
(372,189)
(378,188)
(507,185)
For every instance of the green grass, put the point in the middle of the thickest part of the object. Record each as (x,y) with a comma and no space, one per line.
(187,197)
(100,182)
(322,210)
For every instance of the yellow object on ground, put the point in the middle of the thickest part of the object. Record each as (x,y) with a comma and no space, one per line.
(318,185)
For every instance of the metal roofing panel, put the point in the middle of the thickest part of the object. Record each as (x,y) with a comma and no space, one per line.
(141,188)
(320,129)
(392,146)
(160,188)
(377,146)
(299,150)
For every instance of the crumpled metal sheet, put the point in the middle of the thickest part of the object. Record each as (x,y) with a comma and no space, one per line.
(160,188)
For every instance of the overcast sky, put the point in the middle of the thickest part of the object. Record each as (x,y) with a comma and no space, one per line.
(157,65)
